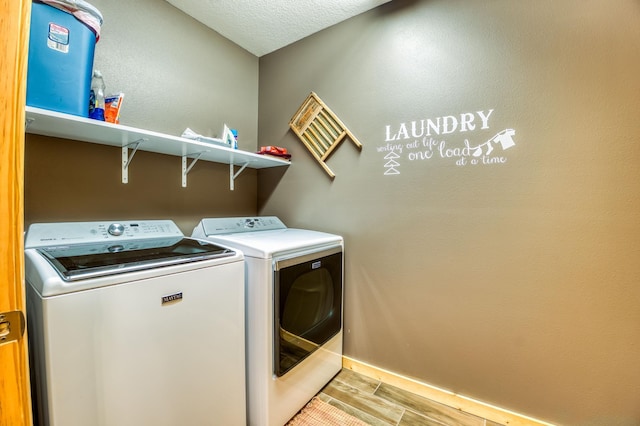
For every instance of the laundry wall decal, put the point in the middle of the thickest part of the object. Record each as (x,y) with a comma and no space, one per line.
(431,139)
(320,130)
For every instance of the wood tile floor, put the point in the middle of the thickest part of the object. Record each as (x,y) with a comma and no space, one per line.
(380,404)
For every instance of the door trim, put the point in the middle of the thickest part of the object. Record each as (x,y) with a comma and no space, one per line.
(15,397)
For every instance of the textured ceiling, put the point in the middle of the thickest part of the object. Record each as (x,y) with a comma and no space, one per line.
(262,26)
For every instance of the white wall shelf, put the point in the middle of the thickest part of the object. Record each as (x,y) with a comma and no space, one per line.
(51,123)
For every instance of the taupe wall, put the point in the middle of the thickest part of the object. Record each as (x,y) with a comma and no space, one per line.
(514,283)
(175,73)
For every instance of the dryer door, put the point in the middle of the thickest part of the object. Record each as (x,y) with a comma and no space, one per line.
(307,305)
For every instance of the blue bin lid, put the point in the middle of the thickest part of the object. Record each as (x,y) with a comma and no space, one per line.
(83,11)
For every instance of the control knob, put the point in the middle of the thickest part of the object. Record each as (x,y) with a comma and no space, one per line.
(116,229)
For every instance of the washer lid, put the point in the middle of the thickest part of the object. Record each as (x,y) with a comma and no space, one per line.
(82,261)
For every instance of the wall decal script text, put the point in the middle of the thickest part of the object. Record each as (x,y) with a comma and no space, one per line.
(421,140)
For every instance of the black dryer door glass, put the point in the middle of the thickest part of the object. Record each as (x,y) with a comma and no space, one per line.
(307,307)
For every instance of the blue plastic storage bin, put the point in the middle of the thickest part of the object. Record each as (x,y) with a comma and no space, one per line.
(60,63)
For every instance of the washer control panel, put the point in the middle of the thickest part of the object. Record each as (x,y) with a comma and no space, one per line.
(48,234)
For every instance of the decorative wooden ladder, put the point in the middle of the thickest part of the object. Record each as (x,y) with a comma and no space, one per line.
(320,130)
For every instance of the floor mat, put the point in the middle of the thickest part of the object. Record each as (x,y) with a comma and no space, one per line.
(319,413)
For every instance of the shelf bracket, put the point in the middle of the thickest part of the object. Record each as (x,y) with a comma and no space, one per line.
(126,158)
(186,168)
(233,176)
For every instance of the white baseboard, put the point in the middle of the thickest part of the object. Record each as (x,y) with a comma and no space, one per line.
(463,403)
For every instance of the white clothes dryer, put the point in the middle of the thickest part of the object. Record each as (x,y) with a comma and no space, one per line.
(294,292)
(131,323)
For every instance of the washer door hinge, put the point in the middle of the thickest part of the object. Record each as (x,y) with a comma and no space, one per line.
(11,326)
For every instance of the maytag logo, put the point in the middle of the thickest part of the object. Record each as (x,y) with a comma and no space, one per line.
(171,298)
(316,265)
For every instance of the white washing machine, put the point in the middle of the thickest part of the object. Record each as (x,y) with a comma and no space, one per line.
(294,292)
(131,323)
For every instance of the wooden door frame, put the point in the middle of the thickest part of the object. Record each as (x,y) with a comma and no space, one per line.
(15,398)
